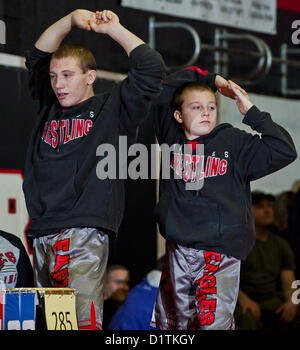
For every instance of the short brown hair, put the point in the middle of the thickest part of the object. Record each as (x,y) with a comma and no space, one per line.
(85,57)
(178,97)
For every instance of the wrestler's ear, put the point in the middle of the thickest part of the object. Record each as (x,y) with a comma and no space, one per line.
(92,74)
(177,115)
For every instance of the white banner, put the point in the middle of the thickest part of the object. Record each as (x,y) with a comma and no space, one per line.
(254,15)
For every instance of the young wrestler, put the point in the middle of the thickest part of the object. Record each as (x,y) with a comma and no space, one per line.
(210,229)
(72,211)
(15,266)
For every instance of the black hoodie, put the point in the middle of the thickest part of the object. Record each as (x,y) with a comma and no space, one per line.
(61,186)
(217,217)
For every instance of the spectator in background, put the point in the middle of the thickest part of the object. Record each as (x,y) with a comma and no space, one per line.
(136,312)
(15,266)
(287,211)
(294,233)
(116,290)
(265,296)
(282,210)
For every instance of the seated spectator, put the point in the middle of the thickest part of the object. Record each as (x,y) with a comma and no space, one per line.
(282,212)
(136,312)
(265,297)
(15,266)
(116,290)
(294,233)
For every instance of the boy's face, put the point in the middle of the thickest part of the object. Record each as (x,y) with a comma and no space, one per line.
(70,84)
(198,114)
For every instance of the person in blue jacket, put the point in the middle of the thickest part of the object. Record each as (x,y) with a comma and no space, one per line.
(136,311)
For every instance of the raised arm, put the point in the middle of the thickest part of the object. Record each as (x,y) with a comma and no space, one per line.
(243,101)
(163,114)
(103,22)
(52,37)
(225,87)
(260,155)
(107,22)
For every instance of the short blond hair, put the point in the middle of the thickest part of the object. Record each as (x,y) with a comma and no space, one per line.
(85,57)
(178,97)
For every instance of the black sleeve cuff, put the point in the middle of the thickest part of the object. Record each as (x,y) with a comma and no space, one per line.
(253,117)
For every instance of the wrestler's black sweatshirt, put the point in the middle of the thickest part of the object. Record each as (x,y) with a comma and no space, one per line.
(218,215)
(61,186)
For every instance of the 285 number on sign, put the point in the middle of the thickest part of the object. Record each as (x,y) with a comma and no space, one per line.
(60,312)
(62,321)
